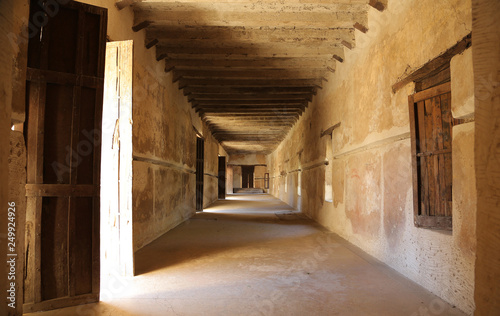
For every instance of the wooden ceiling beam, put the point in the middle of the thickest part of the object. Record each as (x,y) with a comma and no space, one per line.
(249,103)
(248,34)
(254,14)
(250,116)
(250,120)
(241,51)
(249,2)
(223,90)
(249,74)
(231,109)
(239,97)
(275,112)
(251,63)
(183,82)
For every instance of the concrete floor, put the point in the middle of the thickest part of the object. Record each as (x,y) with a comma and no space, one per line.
(253,255)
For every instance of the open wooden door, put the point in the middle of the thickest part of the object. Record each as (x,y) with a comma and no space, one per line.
(247,176)
(222,178)
(64,106)
(117,257)
(200,161)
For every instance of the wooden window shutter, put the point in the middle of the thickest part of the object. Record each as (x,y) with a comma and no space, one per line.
(431,140)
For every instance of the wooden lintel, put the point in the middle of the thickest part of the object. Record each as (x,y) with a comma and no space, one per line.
(329,130)
(161,56)
(151,43)
(337,57)
(378,4)
(360,27)
(462,120)
(347,44)
(434,64)
(141,25)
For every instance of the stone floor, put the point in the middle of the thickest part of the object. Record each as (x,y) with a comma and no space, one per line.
(254,255)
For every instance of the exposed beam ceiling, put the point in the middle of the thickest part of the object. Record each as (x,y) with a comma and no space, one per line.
(248,68)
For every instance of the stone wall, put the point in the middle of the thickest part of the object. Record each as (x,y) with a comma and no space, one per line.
(371,201)
(486,55)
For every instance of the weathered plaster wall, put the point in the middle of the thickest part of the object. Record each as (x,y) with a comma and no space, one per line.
(236,177)
(229,179)
(163,139)
(247,160)
(370,163)
(486,56)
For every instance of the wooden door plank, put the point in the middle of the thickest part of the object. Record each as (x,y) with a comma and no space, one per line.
(447,144)
(430,93)
(423,168)
(38,190)
(414,162)
(429,146)
(438,161)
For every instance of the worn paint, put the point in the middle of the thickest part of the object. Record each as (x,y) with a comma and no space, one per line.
(371,175)
(397,188)
(364,199)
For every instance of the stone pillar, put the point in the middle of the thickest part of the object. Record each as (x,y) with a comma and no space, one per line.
(486,60)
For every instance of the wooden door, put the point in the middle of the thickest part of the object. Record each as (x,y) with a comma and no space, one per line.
(116,164)
(431,131)
(200,161)
(222,178)
(64,106)
(247,176)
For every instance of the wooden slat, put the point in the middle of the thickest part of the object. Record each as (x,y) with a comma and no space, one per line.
(251,82)
(429,145)
(221,90)
(39,75)
(423,167)
(60,303)
(427,94)
(250,73)
(252,51)
(248,34)
(433,153)
(438,163)
(245,97)
(256,15)
(329,130)
(40,190)
(447,145)
(435,222)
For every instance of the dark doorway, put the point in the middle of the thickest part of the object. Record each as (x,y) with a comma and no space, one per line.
(222,178)
(200,155)
(247,176)
(64,105)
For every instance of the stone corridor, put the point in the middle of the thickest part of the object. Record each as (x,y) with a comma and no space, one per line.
(254,255)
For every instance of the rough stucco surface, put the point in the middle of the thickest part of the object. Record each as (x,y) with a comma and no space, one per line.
(372,204)
(247,160)
(164,185)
